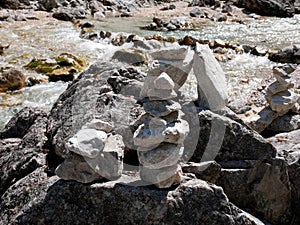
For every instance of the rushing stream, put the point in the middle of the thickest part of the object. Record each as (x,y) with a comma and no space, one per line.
(37,40)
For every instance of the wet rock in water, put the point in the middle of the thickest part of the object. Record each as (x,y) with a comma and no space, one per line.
(196,12)
(64,67)
(15,4)
(67,14)
(131,56)
(47,5)
(272,7)
(290,54)
(11,80)
(202,3)
(178,23)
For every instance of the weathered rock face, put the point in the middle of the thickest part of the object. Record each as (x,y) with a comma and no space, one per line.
(233,140)
(288,147)
(281,8)
(21,144)
(286,123)
(11,80)
(107,203)
(202,3)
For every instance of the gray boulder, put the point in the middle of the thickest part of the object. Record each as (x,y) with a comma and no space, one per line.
(289,54)
(57,202)
(223,139)
(280,8)
(288,146)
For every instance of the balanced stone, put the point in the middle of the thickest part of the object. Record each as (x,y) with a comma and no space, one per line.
(277,87)
(161,108)
(164,82)
(164,155)
(87,142)
(282,102)
(151,136)
(176,132)
(109,163)
(76,168)
(99,125)
(162,178)
(158,94)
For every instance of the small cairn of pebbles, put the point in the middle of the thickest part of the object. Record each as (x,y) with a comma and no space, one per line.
(160,136)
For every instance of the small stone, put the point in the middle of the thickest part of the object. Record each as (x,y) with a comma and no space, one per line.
(162,178)
(158,94)
(99,125)
(277,87)
(161,108)
(109,163)
(176,132)
(76,168)
(87,142)
(150,137)
(282,102)
(164,82)
(164,155)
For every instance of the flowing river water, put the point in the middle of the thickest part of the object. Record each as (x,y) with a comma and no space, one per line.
(45,40)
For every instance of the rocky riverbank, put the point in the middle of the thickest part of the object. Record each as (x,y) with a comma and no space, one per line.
(126,143)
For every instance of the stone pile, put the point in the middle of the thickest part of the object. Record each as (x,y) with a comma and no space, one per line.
(94,153)
(282,94)
(160,136)
(283,98)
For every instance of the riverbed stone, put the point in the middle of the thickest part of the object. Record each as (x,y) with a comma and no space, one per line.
(11,80)
(283,101)
(87,142)
(164,155)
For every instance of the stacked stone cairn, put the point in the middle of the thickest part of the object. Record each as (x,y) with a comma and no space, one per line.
(283,94)
(159,138)
(94,152)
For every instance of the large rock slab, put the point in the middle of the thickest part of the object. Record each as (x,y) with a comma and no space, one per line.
(264,189)
(288,146)
(57,202)
(21,146)
(212,89)
(233,141)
